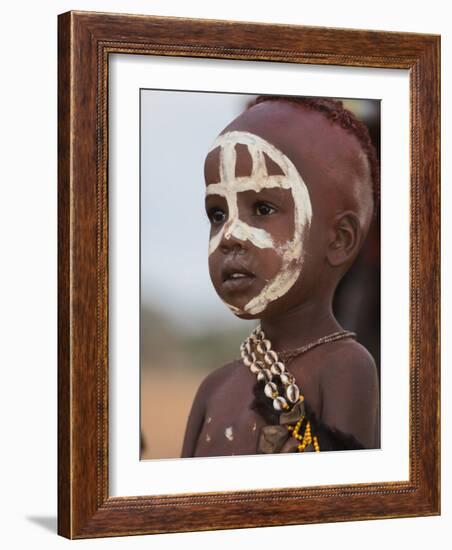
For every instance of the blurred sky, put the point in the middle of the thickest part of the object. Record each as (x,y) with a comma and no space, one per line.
(177,130)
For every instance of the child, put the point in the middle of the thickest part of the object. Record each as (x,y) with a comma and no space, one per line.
(291,188)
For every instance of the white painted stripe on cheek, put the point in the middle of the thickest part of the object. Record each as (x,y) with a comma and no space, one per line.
(215,241)
(292,254)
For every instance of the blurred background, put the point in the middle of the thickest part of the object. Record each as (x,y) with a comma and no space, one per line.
(186,331)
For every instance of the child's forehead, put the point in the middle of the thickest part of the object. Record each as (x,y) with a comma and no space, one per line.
(306,137)
(241,155)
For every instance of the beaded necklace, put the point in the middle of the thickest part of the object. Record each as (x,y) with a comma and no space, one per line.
(268,366)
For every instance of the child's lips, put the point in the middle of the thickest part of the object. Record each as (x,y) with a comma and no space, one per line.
(236,278)
(238,284)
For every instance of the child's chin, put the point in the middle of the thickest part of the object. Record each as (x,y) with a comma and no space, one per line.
(238,310)
(245,316)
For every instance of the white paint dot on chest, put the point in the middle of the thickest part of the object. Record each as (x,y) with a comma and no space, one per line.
(229,433)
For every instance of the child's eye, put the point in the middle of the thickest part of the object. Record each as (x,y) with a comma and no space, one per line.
(264,209)
(216,215)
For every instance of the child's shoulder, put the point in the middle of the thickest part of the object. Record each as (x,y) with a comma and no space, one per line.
(346,357)
(348,350)
(348,385)
(216,377)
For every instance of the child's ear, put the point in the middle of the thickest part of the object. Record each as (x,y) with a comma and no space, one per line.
(345,239)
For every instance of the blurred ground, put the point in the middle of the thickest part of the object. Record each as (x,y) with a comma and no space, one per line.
(165,405)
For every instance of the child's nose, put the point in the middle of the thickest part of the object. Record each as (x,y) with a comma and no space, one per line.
(232,237)
(233,245)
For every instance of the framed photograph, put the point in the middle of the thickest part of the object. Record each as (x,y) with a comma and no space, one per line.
(248,275)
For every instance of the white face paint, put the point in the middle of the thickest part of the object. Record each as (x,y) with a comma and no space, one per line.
(229,185)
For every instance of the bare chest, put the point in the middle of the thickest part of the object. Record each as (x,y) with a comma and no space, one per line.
(231,425)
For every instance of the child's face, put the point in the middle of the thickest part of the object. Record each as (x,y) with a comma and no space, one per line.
(260,212)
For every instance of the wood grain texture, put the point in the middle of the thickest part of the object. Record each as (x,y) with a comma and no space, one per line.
(64,296)
(85,42)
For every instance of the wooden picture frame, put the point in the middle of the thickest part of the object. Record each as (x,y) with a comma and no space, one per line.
(85,42)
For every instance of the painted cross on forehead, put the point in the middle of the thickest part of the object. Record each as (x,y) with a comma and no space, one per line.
(291,252)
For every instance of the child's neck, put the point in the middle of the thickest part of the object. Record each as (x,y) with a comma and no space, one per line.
(301,325)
